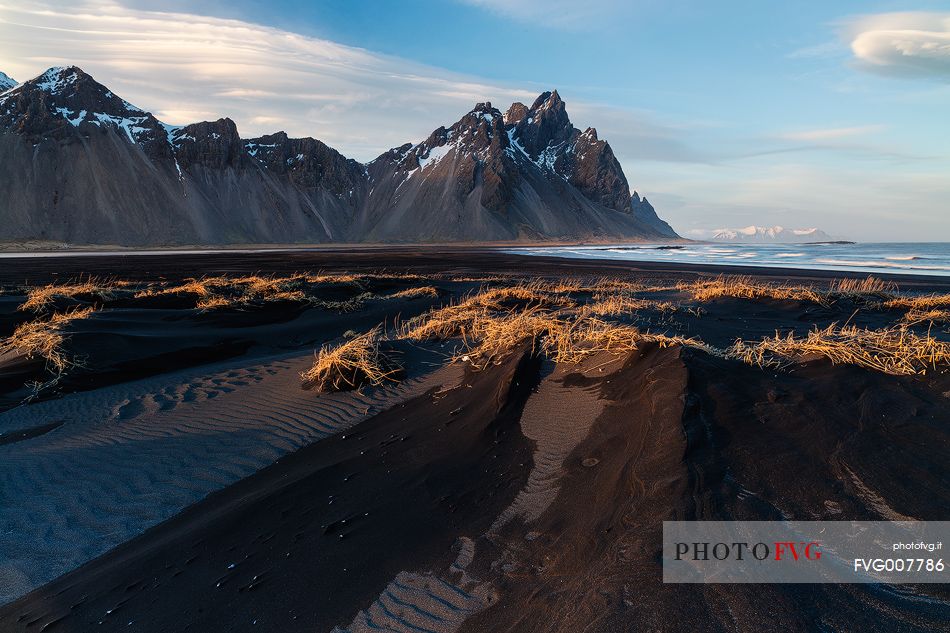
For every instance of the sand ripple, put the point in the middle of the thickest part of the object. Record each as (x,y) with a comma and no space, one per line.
(129,456)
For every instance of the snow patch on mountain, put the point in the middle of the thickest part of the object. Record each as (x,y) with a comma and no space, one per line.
(56,79)
(6,82)
(132,126)
(435,155)
(73,118)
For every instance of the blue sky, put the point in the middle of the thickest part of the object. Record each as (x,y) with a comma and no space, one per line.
(724,114)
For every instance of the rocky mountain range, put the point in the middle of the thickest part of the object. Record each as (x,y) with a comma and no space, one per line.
(79,164)
(771,234)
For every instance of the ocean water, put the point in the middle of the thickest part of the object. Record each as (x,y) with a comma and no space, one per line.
(920,258)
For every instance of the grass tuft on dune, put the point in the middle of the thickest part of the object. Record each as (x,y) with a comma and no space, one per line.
(915,316)
(871,290)
(919,302)
(605,304)
(892,350)
(497,320)
(45,338)
(221,292)
(216,292)
(412,293)
(741,287)
(38,299)
(352,364)
(869,286)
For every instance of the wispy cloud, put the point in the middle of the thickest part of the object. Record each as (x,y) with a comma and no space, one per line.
(822,50)
(826,134)
(562,14)
(185,67)
(910,44)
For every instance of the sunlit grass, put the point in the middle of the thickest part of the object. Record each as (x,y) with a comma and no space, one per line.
(352,364)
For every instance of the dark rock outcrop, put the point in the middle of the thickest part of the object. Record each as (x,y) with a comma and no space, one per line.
(546,134)
(212,144)
(644,213)
(308,163)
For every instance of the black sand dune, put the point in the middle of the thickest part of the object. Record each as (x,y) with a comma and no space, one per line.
(523,497)
(686,438)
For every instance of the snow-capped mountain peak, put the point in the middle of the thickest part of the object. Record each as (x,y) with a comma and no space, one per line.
(58,78)
(6,82)
(65,97)
(778,234)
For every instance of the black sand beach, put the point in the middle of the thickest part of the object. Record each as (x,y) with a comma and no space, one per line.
(176,476)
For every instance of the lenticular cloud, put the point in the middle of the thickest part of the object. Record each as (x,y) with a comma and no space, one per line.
(904,44)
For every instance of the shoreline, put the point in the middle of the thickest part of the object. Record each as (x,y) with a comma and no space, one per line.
(54,267)
(16,248)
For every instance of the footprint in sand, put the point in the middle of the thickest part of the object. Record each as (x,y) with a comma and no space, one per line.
(131,409)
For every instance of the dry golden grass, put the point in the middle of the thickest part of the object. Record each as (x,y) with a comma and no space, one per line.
(618,305)
(495,321)
(460,320)
(236,292)
(490,325)
(478,279)
(219,292)
(210,302)
(919,302)
(743,287)
(489,335)
(203,287)
(613,285)
(412,293)
(329,278)
(333,278)
(870,290)
(44,338)
(264,287)
(932,308)
(561,286)
(352,364)
(915,316)
(869,286)
(571,341)
(452,321)
(344,305)
(40,298)
(494,297)
(892,350)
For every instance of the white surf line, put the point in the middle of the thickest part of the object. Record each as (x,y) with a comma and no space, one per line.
(129,456)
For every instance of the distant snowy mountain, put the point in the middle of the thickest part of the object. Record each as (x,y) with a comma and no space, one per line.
(6,82)
(770,234)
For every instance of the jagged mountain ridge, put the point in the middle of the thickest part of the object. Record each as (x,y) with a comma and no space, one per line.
(644,212)
(81,165)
